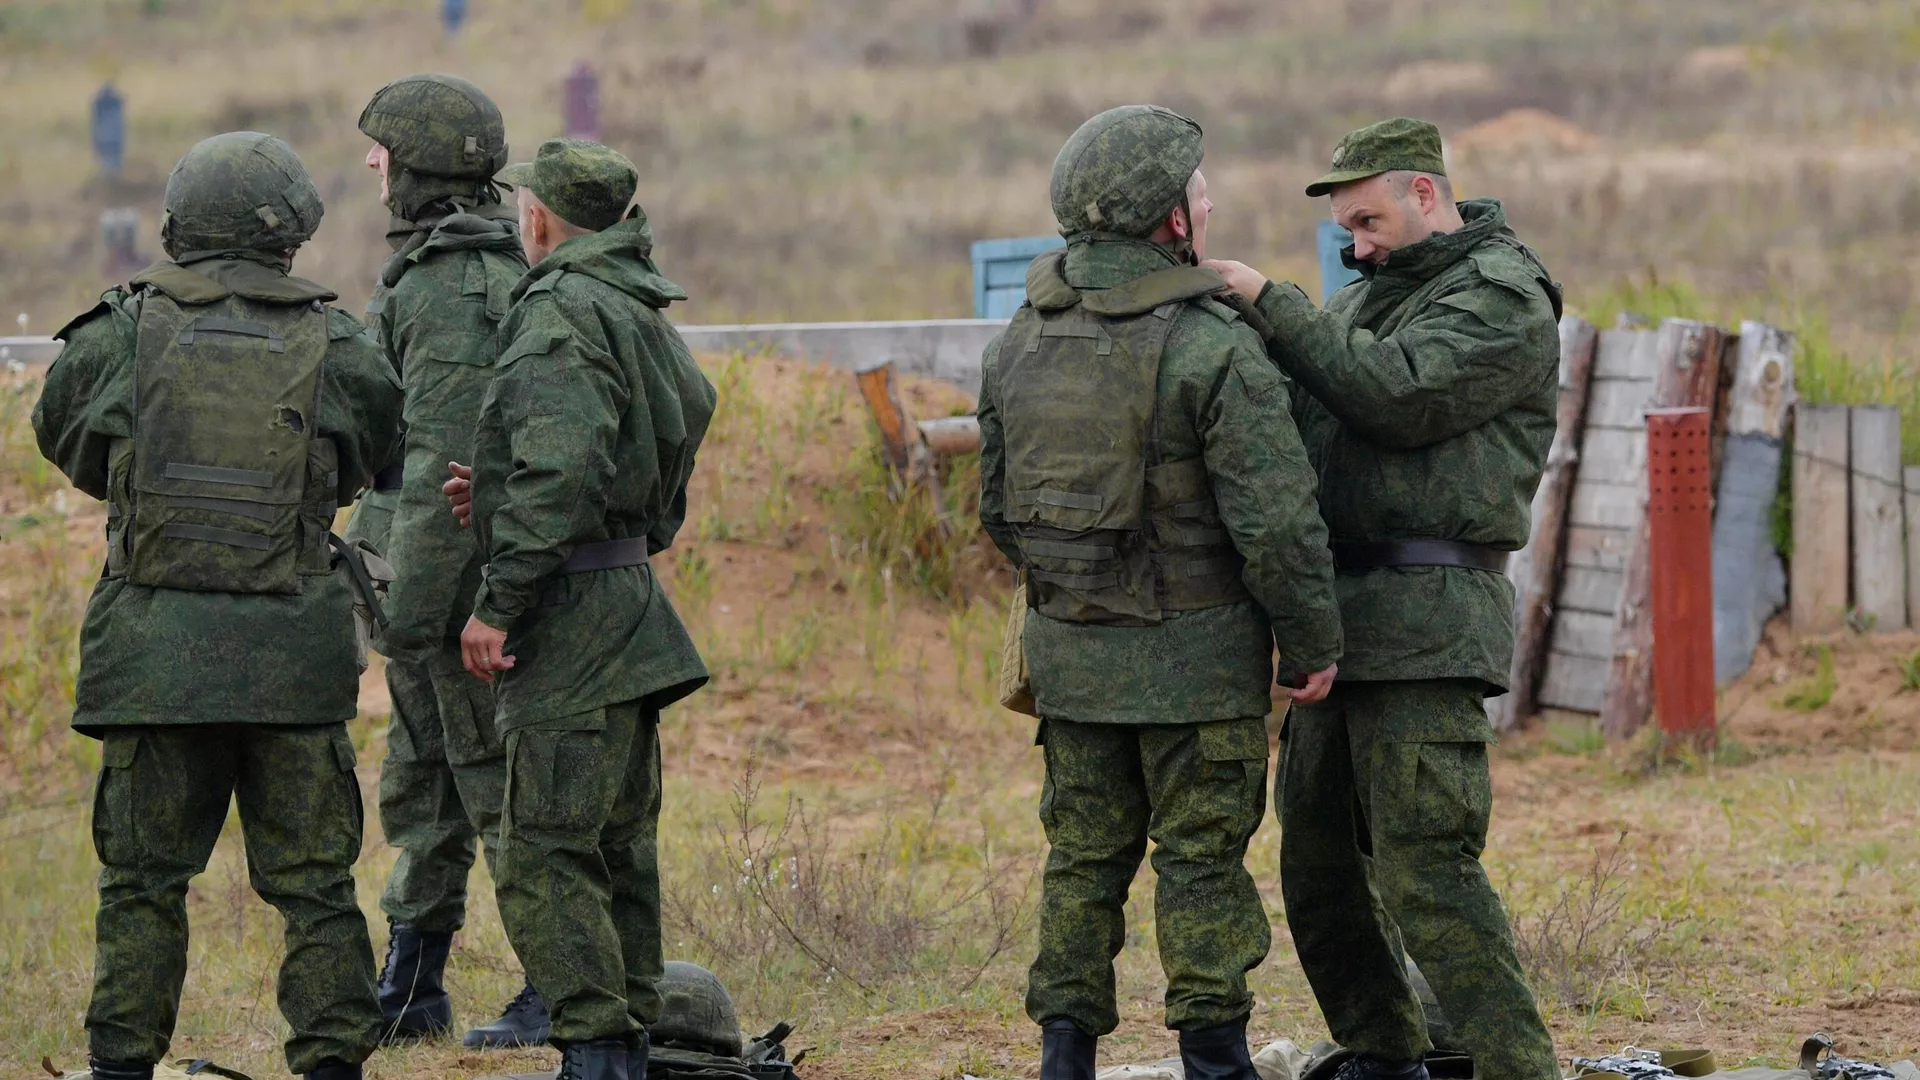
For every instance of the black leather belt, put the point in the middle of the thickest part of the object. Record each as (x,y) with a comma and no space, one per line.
(388,479)
(1375,554)
(605,555)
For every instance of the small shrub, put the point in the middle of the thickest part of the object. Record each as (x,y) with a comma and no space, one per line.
(1583,951)
(1814,692)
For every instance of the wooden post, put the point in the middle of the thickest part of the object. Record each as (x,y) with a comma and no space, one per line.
(1535,569)
(1749,583)
(1819,570)
(1879,541)
(951,435)
(1688,374)
(883,401)
(1680,544)
(1913,542)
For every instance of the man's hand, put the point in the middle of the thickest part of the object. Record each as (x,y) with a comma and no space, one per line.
(1311,688)
(459,492)
(1240,277)
(480,647)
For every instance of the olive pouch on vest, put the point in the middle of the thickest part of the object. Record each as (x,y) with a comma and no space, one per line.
(224,455)
(1108,531)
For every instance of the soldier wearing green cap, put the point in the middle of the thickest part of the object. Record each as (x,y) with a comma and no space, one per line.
(224,412)
(1140,466)
(584,446)
(439,299)
(1430,387)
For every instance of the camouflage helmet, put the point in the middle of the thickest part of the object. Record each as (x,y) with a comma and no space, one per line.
(1125,170)
(697,1014)
(239,190)
(438,125)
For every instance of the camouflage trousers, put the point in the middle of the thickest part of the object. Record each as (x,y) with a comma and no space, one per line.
(1198,792)
(441,787)
(579,880)
(159,806)
(1384,800)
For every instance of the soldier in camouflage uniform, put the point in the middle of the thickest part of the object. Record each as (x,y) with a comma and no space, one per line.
(1429,405)
(585,443)
(1139,465)
(437,141)
(224,412)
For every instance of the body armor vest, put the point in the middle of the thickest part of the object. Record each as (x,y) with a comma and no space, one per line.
(224,486)
(1110,531)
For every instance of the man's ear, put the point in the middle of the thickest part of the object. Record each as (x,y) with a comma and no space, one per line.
(1426,193)
(1180,224)
(537,224)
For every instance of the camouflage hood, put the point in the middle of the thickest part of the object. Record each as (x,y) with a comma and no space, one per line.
(490,227)
(620,255)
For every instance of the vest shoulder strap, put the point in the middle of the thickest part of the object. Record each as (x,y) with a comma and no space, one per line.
(1047,288)
(1144,294)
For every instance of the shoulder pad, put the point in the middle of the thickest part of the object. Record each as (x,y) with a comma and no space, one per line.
(342,325)
(1143,294)
(1047,288)
(533,342)
(114,299)
(1511,265)
(183,285)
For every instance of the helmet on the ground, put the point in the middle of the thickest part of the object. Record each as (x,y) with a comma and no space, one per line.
(1125,170)
(438,125)
(239,190)
(697,1013)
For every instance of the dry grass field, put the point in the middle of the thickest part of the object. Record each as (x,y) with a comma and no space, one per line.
(849,836)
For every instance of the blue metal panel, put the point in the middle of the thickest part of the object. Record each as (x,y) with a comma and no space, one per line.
(1000,273)
(109,129)
(1333,239)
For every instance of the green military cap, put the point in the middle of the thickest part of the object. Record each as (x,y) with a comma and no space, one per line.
(1388,146)
(587,184)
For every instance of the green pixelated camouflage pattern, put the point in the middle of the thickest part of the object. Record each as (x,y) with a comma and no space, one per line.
(161,801)
(1198,792)
(587,433)
(442,783)
(1393,145)
(438,125)
(1124,170)
(1430,388)
(1382,826)
(167,656)
(587,184)
(1218,399)
(239,191)
(578,882)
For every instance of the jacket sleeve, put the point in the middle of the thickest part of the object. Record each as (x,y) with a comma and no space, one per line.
(1470,356)
(87,398)
(993,457)
(360,403)
(1264,488)
(562,397)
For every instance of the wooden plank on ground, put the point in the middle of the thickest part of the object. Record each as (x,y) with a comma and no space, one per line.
(1879,531)
(1913,542)
(1819,572)
(1535,568)
(1688,375)
(1573,682)
(1749,584)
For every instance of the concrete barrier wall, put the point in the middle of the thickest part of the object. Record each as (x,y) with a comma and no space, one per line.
(945,349)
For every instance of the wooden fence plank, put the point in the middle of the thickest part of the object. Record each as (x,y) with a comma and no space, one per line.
(1749,583)
(1598,547)
(1626,354)
(1584,633)
(1689,374)
(1586,589)
(1879,540)
(1819,573)
(1535,568)
(1615,506)
(1619,403)
(1913,542)
(1615,455)
(1574,682)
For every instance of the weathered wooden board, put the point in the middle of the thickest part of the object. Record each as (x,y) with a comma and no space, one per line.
(1583,633)
(1613,505)
(1913,542)
(1615,455)
(1820,515)
(1598,547)
(1586,589)
(1578,683)
(1688,375)
(1534,567)
(1619,403)
(1627,354)
(1749,583)
(1879,524)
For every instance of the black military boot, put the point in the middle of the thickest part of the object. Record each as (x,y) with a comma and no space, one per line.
(1066,1052)
(1217,1053)
(524,1022)
(595,1059)
(119,1070)
(334,1069)
(413,998)
(1368,1067)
